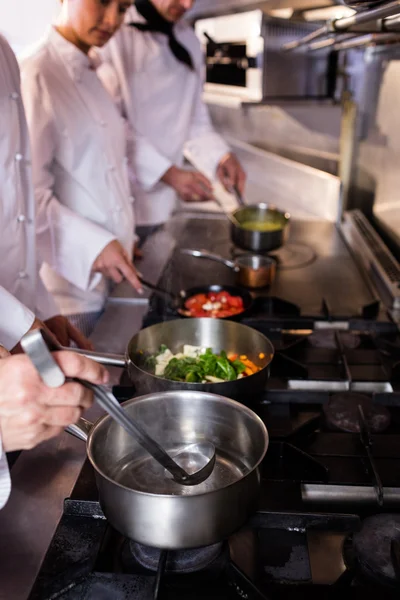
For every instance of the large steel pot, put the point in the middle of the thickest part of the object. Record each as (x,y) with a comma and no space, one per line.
(217,334)
(259,241)
(143,504)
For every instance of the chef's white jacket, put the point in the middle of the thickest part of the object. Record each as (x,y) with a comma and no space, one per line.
(5,481)
(22,294)
(162,101)
(80,172)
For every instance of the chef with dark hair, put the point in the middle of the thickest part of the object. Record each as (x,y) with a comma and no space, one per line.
(79,160)
(158,61)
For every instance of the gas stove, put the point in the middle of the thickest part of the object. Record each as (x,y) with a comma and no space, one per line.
(322,483)
(328,520)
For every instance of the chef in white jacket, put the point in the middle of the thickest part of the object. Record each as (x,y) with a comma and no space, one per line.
(79,155)
(24,300)
(30,412)
(159,64)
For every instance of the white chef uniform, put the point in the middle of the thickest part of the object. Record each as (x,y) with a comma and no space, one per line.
(22,294)
(163,104)
(80,172)
(5,481)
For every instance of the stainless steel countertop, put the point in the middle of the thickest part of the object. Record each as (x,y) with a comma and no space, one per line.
(44,476)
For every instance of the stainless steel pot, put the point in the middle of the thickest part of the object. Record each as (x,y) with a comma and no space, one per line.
(259,241)
(252,270)
(218,334)
(143,504)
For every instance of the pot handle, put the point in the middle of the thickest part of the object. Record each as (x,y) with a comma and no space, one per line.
(109,360)
(215,257)
(80,429)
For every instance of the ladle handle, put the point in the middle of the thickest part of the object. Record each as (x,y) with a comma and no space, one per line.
(205,254)
(38,345)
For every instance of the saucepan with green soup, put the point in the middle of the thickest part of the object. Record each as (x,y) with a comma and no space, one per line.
(259,227)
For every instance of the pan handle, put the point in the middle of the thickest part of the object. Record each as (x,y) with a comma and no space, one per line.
(80,429)
(109,360)
(215,257)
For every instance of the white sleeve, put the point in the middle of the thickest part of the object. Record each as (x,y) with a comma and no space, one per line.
(5,480)
(204,147)
(66,241)
(15,319)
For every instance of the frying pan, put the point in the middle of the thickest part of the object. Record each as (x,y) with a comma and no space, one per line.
(218,334)
(178,302)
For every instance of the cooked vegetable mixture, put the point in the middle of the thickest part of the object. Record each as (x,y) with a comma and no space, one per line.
(200,365)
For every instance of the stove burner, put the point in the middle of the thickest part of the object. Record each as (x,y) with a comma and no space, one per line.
(374,545)
(178,561)
(341,412)
(327,339)
(289,256)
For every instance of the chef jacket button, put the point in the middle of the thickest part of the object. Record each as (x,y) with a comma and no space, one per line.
(14,96)
(22,274)
(111,168)
(131,199)
(21,218)
(118,209)
(18,156)
(103,124)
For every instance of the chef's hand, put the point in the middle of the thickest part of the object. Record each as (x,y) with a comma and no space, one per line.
(191,186)
(114,262)
(30,412)
(230,173)
(65,333)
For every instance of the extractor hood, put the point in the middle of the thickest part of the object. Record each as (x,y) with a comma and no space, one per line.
(208,8)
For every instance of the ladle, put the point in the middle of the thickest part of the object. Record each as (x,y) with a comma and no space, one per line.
(37,344)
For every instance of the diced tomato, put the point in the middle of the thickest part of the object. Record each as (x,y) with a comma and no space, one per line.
(231,305)
(236,301)
(223,297)
(196,301)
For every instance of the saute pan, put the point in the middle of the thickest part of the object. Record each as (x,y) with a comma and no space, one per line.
(178,302)
(217,334)
(252,270)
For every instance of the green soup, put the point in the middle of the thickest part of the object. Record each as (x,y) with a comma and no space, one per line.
(262,225)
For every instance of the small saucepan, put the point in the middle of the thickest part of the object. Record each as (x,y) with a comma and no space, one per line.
(252,270)
(259,227)
(177,302)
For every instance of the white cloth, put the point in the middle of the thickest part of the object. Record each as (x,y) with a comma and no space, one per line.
(21,291)
(163,104)
(5,481)
(80,172)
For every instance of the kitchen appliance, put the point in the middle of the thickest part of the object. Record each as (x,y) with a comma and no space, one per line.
(254,239)
(244,58)
(322,492)
(152,509)
(252,270)
(177,302)
(217,334)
